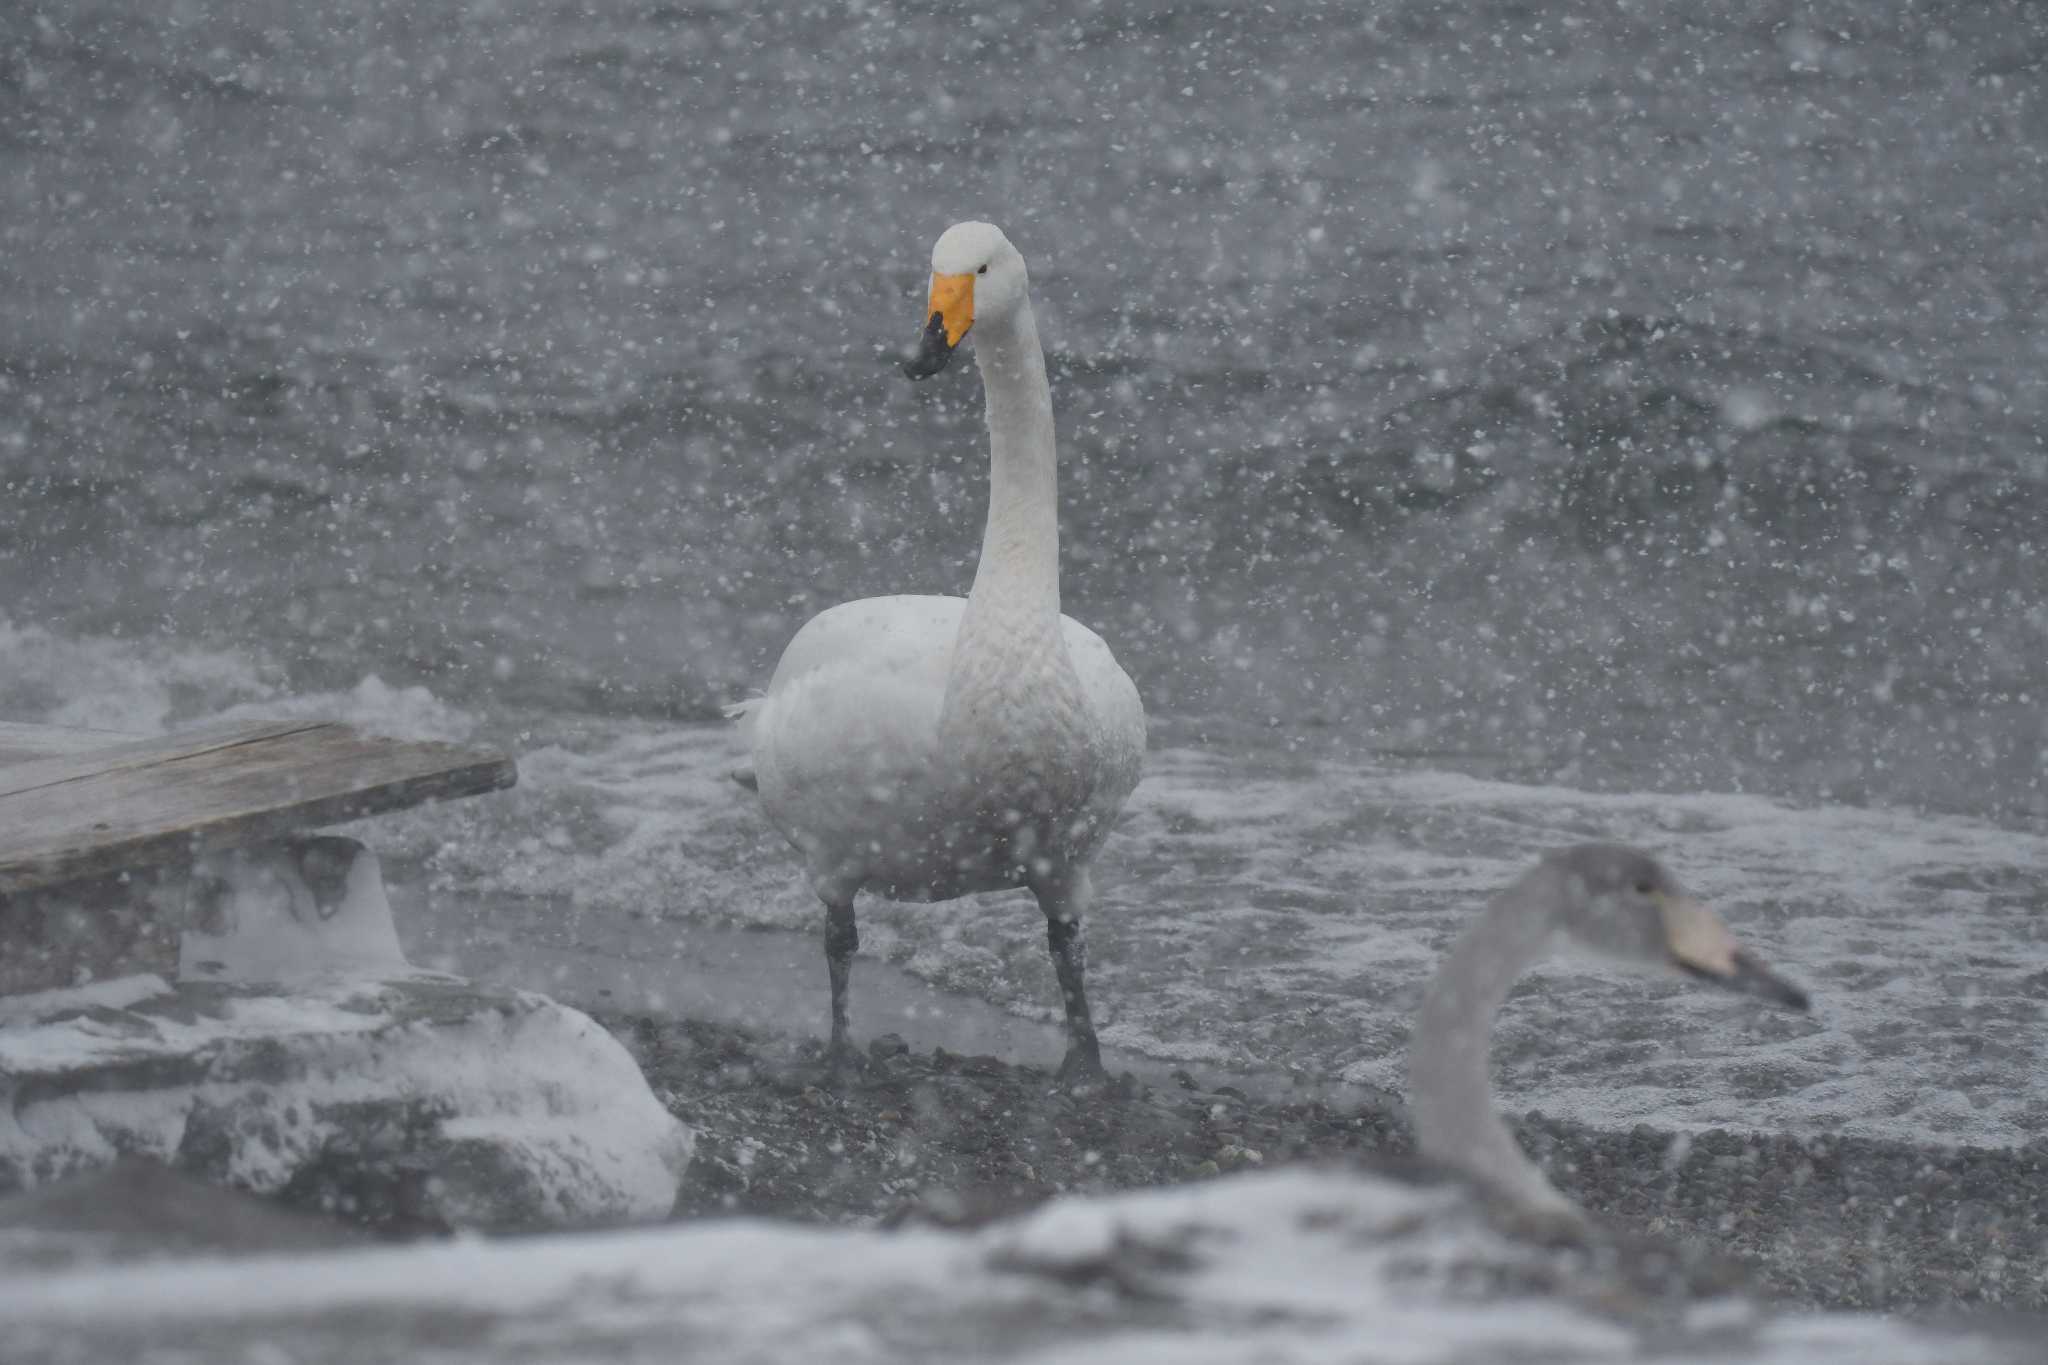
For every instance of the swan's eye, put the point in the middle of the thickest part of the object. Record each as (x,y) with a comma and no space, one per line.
(1644,888)
(982,271)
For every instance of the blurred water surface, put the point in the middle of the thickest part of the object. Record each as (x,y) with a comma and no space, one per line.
(1629,394)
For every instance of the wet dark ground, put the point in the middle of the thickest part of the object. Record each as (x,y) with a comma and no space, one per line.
(1939,1234)
(1822,1222)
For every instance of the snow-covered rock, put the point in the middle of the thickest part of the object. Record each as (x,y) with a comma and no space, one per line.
(312,905)
(1289,1265)
(302,905)
(413,1098)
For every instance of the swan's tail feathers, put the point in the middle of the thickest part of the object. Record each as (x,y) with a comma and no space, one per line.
(743,712)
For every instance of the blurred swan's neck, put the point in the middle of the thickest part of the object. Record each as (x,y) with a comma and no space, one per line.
(1450,1095)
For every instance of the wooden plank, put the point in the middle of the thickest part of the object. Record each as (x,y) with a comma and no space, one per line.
(21,743)
(167,800)
(132,752)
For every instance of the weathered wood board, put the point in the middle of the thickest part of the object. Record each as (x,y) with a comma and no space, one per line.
(100,810)
(20,743)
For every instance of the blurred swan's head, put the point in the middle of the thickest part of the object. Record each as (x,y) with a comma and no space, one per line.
(1622,903)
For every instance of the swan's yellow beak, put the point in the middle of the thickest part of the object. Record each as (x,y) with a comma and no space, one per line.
(953,304)
(1701,946)
(949,316)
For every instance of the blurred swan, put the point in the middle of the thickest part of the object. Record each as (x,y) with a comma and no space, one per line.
(1617,901)
(926,748)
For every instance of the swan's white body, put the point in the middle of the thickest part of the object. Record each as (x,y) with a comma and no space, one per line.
(930,747)
(853,768)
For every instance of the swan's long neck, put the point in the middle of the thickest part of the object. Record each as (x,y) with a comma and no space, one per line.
(1010,671)
(1450,1095)
(1019,574)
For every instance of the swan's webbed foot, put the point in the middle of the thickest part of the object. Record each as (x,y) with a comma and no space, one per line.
(843,1063)
(1082,1068)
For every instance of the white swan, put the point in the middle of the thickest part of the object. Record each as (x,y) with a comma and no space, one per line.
(928,747)
(1619,902)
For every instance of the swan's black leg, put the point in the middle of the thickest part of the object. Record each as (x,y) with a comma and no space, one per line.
(842,938)
(1070,960)
(1063,903)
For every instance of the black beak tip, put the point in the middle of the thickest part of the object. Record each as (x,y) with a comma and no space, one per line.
(1754,977)
(1751,977)
(933,351)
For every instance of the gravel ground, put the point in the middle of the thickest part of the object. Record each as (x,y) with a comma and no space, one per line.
(1823,1222)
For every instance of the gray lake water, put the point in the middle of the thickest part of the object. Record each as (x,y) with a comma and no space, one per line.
(1626,395)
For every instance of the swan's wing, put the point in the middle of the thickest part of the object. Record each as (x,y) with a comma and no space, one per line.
(852,714)
(898,636)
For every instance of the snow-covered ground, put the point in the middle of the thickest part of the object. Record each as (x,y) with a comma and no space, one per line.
(1285,1266)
